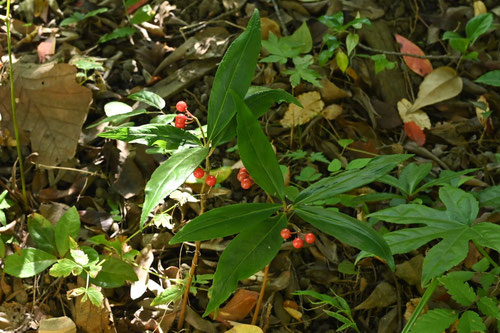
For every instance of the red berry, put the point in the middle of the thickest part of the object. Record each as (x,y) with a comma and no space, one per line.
(246,183)
(211,180)
(310,238)
(242,176)
(244,170)
(181,106)
(298,243)
(285,233)
(180,121)
(199,173)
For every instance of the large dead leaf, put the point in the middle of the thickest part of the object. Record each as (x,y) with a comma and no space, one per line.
(383,295)
(239,306)
(295,115)
(51,106)
(442,84)
(244,328)
(419,117)
(418,65)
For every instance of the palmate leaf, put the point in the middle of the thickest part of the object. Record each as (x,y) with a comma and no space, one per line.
(348,230)
(169,176)
(235,72)
(224,221)
(247,253)
(256,151)
(454,226)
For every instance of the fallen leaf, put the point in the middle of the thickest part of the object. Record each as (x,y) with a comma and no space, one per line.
(244,328)
(51,106)
(419,117)
(266,25)
(332,111)
(330,92)
(415,133)
(420,66)
(58,324)
(296,314)
(239,306)
(295,115)
(410,308)
(143,261)
(411,270)
(383,295)
(90,318)
(442,84)
(481,113)
(46,49)
(479,8)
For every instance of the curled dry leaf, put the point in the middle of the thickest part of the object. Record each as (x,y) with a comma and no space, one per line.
(419,117)
(295,115)
(442,84)
(420,66)
(482,112)
(51,106)
(332,111)
(266,25)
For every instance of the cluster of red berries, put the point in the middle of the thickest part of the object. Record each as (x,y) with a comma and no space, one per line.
(180,119)
(211,180)
(298,242)
(245,179)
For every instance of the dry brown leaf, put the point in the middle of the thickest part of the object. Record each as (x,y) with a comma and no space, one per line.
(330,92)
(239,306)
(480,112)
(51,106)
(266,25)
(295,115)
(419,117)
(410,308)
(57,325)
(332,111)
(411,271)
(143,261)
(383,295)
(296,314)
(442,84)
(244,328)
(90,318)
(46,49)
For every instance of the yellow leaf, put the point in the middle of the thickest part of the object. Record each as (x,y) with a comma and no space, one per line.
(342,60)
(332,111)
(244,328)
(480,112)
(295,115)
(441,84)
(479,8)
(297,315)
(419,117)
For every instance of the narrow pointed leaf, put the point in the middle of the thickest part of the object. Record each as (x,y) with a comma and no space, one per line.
(150,133)
(247,253)
(235,72)
(28,262)
(68,225)
(169,176)
(148,97)
(348,230)
(256,152)
(224,221)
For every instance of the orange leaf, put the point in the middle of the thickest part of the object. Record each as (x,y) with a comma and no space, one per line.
(415,133)
(136,5)
(239,306)
(420,66)
(46,49)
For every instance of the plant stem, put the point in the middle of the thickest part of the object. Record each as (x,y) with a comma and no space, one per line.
(13,106)
(261,295)
(420,307)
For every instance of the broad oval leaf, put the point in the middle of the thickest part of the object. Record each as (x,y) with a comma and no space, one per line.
(68,225)
(247,253)
(491,78)
(224,221)
(28,262)
(114,273)
(471,322)
(115,108)
(42,232)
(169,176)
(418,65)
(478,25)
(415,133)
(148,97)
(351,179)
(256,151)
(235,72)
(348,230)
(442,84)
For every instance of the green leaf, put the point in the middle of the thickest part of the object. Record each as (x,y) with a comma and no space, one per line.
(349,180)
(348,230)
(489,306)
(256,152)
(318,157)
(487,234)
(169,176)
(235,73)
(94,295)
(381,63)
(308,174)
(148,97)
(358,163)
(302,71)
(491,78)
(260,102)
(461,206)
(68,225)
(28,262)
(76,17)
(114,108)
(351,41)
(117,33)
(247,253)
(2,248)
(302,37)
(478,25)
(342,60)
(117,119)
(42,232)
(460,291)
(335,21)
(435,321)
(171,294)
(143,14)
(64,267)
(224,221)
(470,322)
(114,273)
(412,175)
(335,165)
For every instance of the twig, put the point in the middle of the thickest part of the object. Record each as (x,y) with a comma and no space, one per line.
(261,296)
(445,56)
(280,19)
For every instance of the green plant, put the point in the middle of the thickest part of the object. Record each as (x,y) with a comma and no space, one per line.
(88,64)
(291,47)
(341,312)
(5,203)
(476,27)
(77,16)
(58,250)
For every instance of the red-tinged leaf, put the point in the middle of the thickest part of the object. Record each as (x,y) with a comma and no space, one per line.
(420,66)
(239,306)
(415,133)
(46,49)
(136,5)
